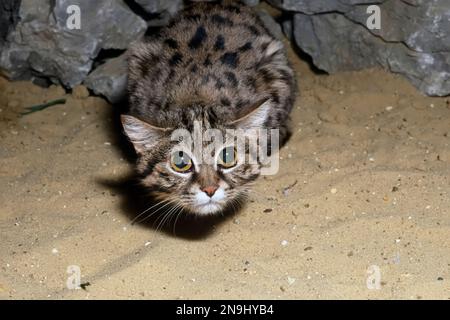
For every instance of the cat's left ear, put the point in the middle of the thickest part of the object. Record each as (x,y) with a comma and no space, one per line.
(143,135)
(255,117)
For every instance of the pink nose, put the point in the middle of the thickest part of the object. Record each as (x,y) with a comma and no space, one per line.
(210,190)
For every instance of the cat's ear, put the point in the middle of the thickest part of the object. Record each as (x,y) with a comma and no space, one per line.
(255,117)
(143,135)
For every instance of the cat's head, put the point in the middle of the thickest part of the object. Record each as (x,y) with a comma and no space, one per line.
(196,173)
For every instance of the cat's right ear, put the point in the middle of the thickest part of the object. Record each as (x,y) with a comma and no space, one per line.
(143,135)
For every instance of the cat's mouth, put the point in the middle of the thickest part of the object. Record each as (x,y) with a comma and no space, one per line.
(210,207)
(205,205)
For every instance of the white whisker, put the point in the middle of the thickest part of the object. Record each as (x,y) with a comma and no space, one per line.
(176,219)
(151,214)
(146,210)
(166,216)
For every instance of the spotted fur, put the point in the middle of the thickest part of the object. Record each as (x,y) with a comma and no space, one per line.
(215,63)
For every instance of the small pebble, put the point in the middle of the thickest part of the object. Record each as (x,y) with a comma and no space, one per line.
(80,92)
(333,190)
(284,243)
(55,251)
(56,91)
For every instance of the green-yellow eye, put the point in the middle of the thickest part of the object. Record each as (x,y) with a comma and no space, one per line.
(228,157)
(180,161)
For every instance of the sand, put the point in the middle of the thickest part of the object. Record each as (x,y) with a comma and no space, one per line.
(363,187)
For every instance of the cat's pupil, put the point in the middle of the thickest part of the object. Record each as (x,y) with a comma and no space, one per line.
(179,159)
(228,155)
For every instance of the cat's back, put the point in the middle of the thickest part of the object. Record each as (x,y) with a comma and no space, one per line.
(216,54)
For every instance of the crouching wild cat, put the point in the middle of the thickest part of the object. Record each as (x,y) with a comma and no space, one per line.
(213,69)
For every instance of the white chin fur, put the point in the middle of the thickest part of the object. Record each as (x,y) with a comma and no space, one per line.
(209,205)
(207,209)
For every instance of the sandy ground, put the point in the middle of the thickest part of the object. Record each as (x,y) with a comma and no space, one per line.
(363,184)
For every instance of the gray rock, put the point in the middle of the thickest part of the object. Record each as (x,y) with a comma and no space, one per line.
(414,40)
(110,79)
(36,44)
(251,3)
(320,6)
(271,25)
(160,6)
(308,6)
(323,38)
(288,28)
(43,46)
(160,11)
(9,16)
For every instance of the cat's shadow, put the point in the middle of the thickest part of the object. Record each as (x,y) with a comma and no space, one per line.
(135,199)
